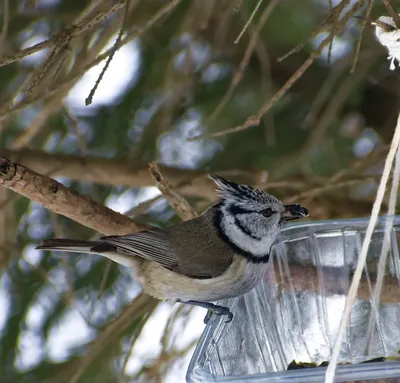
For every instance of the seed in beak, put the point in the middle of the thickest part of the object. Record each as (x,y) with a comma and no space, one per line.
(294,212)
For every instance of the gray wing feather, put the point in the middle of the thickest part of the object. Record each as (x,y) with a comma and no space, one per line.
(151,244)
(192,248)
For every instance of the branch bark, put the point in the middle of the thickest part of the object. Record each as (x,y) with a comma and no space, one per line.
(62,200)
(177,202)
(111,171)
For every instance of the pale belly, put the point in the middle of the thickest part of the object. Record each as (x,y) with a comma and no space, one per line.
(239,278)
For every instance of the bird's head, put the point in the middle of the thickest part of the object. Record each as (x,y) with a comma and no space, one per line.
(250,219)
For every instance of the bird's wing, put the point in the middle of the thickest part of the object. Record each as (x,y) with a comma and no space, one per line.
(191,248)
(152,245)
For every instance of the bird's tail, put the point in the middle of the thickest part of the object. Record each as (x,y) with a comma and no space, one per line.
(70,245)
(93,247)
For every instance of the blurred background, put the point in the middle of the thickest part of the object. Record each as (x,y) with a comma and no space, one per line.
(185,71)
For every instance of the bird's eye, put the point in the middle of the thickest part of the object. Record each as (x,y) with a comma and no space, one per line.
(267,212)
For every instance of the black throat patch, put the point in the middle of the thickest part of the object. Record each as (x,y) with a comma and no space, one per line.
(217,220)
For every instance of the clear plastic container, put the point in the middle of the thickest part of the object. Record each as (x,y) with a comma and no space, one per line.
(291,319)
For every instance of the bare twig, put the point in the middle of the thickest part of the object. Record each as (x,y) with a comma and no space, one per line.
(237,77)
(326,88)
(143,305)
(23,139)
(7,109)
(135,337)
(178,203)
(62,200)
(362,28)
(328,23)
(40,73)
(104,278)
(334,20)
(4,28)
(65,34)
(89,99)
(333,108)
(255,119)
(85,13)
(143,206)
(248,21)
(394,15)
(329,187)
(75,128)
(359,164)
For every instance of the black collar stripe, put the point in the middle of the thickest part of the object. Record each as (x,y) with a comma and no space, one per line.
(250,257)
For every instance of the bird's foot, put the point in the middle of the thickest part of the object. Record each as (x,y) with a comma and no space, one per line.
(212,309)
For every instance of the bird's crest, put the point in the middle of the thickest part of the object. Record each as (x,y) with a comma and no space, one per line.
(232,191)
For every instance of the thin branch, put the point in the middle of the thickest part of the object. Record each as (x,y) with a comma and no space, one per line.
(64,35)
(359,164)
(178,203)
(143,305)
(334,20)
(89,99)
(344,91)
(326,188)
(62,200)
(394,15)
(40,72)
(8,108)
(133,341)
(237,77)
(75,129)
(4,28)
(85,13)
(362,28)
(255,119)
(143,206)
(325,89)
(25,136)
(328,23)
(248,21)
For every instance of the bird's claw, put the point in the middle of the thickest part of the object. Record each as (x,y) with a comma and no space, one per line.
(212,309)
(218,310)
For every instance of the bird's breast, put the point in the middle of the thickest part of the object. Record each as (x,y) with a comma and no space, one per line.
(240,277)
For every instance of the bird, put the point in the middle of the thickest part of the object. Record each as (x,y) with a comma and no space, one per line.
(389,36)
(218,255)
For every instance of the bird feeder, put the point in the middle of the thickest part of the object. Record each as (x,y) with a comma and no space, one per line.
(284,330)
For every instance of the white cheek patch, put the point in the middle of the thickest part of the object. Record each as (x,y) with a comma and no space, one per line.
(243,240)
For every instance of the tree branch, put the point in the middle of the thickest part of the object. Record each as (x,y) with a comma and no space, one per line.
(177,202)
(62,200)
(111,171)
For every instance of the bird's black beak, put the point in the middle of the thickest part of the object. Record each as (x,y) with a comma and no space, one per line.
(294,212)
